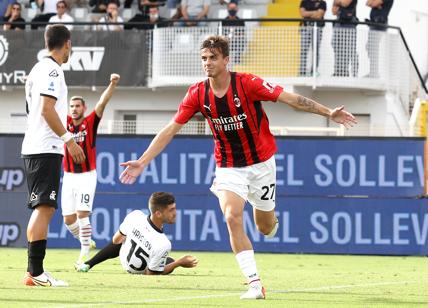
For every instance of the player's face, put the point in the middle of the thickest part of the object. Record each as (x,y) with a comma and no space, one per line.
(77,109)
(169,214)
(213,62)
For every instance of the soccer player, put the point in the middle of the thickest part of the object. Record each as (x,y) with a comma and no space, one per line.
(80,180)
(140,243)
(244,146)
(43,147)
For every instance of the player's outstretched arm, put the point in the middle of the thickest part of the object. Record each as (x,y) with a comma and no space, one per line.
(51,117)
(135,167)
(338,114)
(106,95)
(185,261)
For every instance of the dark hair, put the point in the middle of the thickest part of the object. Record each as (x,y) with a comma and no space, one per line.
(63,2)
(56,36)
(17,4)
(114,2)
(217,42)
(159,201)
(78,98)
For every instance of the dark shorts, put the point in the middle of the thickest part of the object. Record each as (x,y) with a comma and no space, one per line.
(43,172)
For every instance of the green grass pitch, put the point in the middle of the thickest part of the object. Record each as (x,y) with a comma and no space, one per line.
(291,280)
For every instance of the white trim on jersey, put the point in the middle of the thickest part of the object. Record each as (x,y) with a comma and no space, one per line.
(45,79)
(144,247)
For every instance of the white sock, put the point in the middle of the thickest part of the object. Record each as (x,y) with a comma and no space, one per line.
(85,234)
(74,229)
(247,263)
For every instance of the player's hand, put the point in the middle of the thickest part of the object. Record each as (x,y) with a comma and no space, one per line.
(341,116)
(133,169)
(75,151)
(114,78)
(188,261)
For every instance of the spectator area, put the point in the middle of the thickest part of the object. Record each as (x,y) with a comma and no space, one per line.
(81,11)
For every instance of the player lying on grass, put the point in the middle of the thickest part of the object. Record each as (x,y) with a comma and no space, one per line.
(140,243)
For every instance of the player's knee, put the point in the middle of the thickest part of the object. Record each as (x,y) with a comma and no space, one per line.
(264,228)
(233,220)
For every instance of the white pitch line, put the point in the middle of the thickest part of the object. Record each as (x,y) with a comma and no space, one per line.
(374,284)
(187,298)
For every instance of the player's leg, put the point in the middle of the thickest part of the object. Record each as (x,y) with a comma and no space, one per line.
(85,234)
(85,197)
(43,174)
(37,231)
(231,188)
(108,252)
(68,204)
(262,190)
(266,222)
(232,206)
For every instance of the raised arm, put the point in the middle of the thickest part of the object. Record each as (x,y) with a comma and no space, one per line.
(338,114)
(135,167)
(106,95)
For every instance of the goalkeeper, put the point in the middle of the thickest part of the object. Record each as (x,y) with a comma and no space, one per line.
(140,243)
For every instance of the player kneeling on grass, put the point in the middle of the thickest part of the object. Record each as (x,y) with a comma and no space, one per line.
(140,243)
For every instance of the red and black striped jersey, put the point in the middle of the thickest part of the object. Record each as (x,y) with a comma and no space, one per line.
(85,136)
(237,120)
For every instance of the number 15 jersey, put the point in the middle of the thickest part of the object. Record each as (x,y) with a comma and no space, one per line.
(146,246)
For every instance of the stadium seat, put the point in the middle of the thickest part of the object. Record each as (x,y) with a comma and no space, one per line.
(29,14)
(128,13)
(183,42)
(222,13)
(80,14)
(247,13)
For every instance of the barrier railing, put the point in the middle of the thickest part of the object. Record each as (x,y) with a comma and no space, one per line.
(341,57)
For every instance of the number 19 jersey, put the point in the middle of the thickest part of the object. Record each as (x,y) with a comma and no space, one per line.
(146,246)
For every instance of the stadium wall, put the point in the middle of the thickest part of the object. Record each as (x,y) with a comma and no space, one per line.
(334,195)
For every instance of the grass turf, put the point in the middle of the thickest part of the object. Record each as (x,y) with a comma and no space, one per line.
(291,281)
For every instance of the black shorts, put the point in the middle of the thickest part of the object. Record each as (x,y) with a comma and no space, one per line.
(43,172)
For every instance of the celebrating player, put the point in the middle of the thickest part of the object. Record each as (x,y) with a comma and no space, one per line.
(140,242)
(244,146)
(80,179)
(42,148)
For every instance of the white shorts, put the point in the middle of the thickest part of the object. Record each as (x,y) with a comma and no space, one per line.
(78,191)
(255,184)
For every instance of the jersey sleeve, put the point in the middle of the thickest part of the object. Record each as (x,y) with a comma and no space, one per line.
(127,223)
(94,120)
(50,82)
(261,90)
(188,107)
(157,260)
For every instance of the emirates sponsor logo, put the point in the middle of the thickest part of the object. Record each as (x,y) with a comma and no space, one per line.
(229,123)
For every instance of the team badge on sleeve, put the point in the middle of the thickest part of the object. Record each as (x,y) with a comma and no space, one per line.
(54,73)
